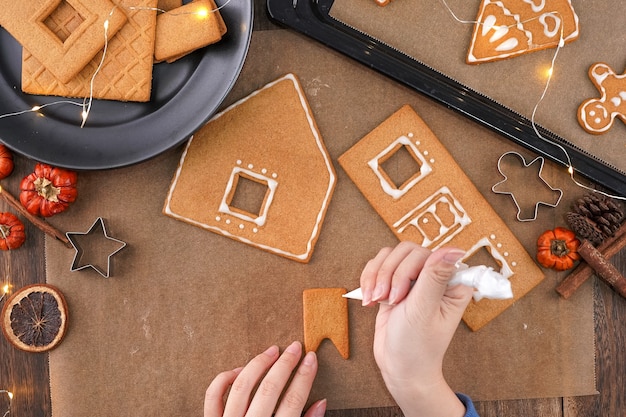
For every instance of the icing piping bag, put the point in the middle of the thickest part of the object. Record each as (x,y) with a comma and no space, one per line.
(487,283)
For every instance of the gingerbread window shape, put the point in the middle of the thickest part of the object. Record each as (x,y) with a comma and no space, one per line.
(437,219)
(257,213)
(443,208)
(388,185)
(267,142)
(34,25)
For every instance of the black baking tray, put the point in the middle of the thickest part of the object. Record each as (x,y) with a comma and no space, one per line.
(312,18)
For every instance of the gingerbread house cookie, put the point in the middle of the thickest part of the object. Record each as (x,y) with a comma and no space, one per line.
(258,173)
(508,28)
(436,204)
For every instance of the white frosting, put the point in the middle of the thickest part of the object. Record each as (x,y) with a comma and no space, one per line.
(391,189)
(322,149)
(594,114)
(441,198)
(486,282)
(271,185)
(556,24)
(550,21)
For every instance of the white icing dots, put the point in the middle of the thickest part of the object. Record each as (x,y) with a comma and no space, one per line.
(432,160)
(250,166)
(255,230)
(513,263)
(492,237)
(228,221)
(218,219)
(410,135)
(239,162)
(274,175)
(241,226)
(264,171)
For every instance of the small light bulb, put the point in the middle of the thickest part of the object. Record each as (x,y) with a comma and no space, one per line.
(10,394)
(106,25)
(36,108)
(202,12)
(550,71)
(570,169)
(5,290)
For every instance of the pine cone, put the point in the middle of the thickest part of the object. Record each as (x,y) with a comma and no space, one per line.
(584,228)
(595,217)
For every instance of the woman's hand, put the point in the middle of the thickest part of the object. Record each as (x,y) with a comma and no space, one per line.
(268,373)
(414,331)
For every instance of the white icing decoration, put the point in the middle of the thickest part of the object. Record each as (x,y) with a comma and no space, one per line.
(432,161)
(492,237)
(486,282)
(264,171)
(507,45)
(499,33)
(556,22)
(241,226)
(505,269)
(322,149)
(536,7)
(218,218)
(391,189)
(488,24)
(429,206)
(250,166)
(238,162)
(271,185)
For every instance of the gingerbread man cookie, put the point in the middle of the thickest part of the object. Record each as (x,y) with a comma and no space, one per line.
(596,115)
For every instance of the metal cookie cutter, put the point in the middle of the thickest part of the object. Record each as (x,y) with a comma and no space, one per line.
(507,192)
(92,247)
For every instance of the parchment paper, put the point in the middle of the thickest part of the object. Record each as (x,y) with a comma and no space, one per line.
(427,31)
(184,304)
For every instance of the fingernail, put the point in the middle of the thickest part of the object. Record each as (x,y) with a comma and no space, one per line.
(238,370)
(272,351)
(309,359)
(378,292)
(453,256)
(320,408)
(367,297)
(293,348)
(393,295)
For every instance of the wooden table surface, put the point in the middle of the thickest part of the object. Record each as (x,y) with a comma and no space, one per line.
(27,376)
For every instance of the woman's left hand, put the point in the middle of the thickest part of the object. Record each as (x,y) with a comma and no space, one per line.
(268,373)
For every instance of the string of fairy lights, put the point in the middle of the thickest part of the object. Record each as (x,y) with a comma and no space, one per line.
(86,104)
(9,395)
(549,74)
(86,107)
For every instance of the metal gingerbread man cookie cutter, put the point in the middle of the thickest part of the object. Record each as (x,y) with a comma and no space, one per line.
(540,160)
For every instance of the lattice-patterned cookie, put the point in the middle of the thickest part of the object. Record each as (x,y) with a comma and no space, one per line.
(35,26)
(126,72)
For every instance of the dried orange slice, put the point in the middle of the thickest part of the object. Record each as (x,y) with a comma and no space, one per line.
(34,319)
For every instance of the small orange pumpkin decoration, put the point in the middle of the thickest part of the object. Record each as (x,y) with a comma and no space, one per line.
(6,161)
(558,249)
(12,234)
(48,190)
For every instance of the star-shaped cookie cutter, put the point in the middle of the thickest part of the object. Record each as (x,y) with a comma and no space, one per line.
(526,165)
(84,252)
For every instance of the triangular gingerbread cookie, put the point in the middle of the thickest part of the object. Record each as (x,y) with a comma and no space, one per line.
(508,28)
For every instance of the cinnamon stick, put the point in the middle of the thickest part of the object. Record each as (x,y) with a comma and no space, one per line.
(39,223)
(583,271)
(604,269)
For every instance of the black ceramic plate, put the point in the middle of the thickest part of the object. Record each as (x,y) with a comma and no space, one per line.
(184,96)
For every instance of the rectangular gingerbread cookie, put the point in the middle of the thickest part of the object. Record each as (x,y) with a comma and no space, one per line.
(64,54)
(124,75)
(438,205)
(184,29)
